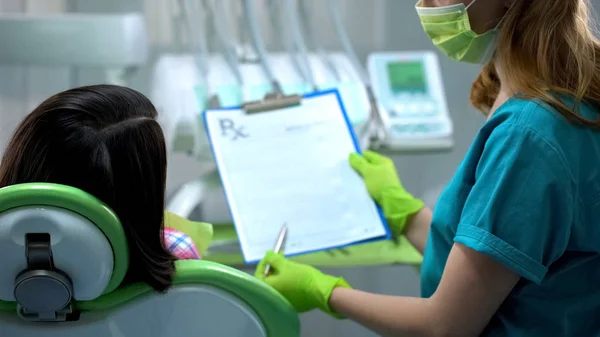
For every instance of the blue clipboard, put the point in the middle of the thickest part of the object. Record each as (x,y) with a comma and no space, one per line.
(281,102)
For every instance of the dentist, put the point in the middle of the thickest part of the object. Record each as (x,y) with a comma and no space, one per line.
(513,247)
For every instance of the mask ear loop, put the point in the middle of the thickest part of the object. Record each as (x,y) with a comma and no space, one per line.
(500,22)
(505,14)
(503,17)
(469,5)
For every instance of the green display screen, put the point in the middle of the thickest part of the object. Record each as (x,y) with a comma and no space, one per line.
(407,77)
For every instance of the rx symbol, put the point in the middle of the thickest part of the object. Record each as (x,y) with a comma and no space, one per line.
(228,127)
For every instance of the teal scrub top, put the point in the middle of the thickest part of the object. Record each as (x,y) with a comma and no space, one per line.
(527,194)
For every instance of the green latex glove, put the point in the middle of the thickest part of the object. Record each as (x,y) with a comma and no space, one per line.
(384,186)
(303,286)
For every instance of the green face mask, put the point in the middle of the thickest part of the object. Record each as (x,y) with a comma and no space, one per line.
(450,30)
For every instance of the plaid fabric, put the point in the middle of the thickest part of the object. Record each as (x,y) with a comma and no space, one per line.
(181,245)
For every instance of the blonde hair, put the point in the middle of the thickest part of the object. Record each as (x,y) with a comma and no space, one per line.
(547,48)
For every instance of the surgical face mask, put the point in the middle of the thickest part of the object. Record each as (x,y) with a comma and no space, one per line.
(450,30)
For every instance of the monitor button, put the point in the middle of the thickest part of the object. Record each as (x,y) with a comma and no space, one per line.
(400,109)
(414,108)
(429,108)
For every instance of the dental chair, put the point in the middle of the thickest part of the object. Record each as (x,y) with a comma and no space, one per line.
(64,255)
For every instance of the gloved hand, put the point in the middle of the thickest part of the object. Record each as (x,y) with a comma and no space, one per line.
(303,286)
(384,186)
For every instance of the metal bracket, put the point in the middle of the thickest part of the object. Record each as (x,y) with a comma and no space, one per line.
(273,101)
(53,316)
(43,294)
(214,102)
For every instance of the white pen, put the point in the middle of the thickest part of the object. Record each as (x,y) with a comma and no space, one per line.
(278,245)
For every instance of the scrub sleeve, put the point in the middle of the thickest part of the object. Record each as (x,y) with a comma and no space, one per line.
(520,208)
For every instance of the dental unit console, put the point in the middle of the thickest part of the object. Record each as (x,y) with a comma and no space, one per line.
(409,89)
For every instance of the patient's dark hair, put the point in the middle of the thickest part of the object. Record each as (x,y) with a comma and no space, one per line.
(104,140)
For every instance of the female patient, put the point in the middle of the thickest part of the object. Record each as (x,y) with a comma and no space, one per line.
(104,140)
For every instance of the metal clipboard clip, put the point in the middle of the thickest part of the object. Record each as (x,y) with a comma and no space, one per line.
(272,101)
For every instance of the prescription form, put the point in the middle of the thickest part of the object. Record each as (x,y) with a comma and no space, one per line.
(291,166)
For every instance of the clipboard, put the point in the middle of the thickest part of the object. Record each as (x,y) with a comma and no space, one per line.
(275,104)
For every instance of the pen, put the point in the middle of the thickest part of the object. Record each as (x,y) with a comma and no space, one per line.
(278,245)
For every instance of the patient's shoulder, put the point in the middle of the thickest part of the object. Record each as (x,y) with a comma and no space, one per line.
(180,245)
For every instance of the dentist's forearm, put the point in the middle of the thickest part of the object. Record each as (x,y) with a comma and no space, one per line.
(406,215)
(417,229)
(385,315)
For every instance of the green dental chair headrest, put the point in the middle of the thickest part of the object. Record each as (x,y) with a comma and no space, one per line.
(64,255)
